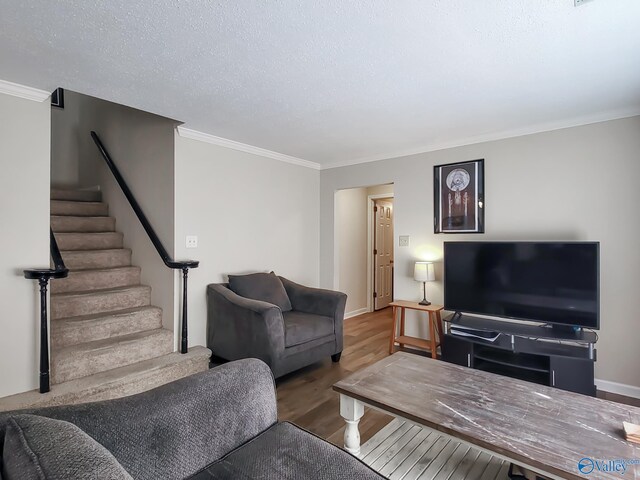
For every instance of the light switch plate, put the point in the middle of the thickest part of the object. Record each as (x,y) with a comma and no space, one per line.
(192,241)
(403,241)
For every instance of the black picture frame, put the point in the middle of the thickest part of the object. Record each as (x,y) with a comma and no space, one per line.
(57,98)
(458,197)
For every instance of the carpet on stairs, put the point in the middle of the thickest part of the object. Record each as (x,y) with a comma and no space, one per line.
(107,339)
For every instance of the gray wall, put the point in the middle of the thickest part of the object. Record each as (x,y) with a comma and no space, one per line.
(65,142)
(142,146)
(250,214)
(24,242)
(351,244)
(572,184)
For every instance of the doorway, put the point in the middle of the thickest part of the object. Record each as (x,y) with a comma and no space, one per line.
(358,271)
(382,255)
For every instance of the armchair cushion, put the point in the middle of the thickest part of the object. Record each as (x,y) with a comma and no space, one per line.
(266,287)
(300,327)
(39,447)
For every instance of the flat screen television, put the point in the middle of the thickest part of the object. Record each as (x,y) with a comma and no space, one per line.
(548,282)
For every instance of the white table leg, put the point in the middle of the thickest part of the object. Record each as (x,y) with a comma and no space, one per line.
(351,410)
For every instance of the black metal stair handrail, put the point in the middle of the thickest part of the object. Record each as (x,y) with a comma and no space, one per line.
(43,275)
(183,265)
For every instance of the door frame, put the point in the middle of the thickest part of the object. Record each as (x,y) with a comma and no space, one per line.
(370,224)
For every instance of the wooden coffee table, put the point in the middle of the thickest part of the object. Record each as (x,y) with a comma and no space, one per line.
(541,428)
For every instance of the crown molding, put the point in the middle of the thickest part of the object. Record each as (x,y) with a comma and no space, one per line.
(540,128)
(22,91)
(243,147)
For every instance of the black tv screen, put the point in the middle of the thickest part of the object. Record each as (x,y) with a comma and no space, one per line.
(546,282)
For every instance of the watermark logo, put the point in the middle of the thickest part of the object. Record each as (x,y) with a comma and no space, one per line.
(589,465)
(586,466)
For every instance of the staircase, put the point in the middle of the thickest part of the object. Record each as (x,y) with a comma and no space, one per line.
(107,339)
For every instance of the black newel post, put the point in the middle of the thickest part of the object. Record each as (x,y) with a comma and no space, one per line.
(184,348)
(44,336)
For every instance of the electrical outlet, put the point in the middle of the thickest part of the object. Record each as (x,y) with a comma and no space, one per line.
(403,241)
(192,241)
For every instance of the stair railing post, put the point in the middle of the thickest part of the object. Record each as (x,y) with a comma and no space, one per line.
(43,275)
(44,336)
(184,347)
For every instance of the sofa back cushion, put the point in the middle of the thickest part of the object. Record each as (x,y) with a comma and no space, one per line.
(266,287)
(38,447)
(177,429)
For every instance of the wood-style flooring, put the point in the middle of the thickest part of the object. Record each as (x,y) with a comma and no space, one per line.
(305,397)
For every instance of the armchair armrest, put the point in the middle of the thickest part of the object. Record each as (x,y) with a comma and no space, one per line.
(237,326)
(176,430)
(315,300)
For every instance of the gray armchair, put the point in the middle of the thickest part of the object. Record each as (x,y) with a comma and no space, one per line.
(285,339)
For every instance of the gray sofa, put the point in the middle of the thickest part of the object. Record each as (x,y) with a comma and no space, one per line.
(297,327)
(220,424)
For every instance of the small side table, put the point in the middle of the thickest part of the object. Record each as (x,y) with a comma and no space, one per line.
(435,325)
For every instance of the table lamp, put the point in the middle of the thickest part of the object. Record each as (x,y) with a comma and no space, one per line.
(424,272)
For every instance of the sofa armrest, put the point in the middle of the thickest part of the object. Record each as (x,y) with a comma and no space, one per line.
(238,327)
(176,430)
(315,300)
(257,306)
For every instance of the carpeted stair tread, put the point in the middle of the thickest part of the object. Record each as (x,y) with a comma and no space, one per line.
(76,195)
(115,383)
(107,339)
(96,259)
(79,209)
(99,326)
(73,304)
(89,240)
(65,223)
(97,279)
(84,359)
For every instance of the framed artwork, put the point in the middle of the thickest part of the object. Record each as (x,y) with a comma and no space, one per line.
(459,197)
(57,98)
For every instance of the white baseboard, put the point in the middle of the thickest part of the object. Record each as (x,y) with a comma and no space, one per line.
(619,388)
(355,313)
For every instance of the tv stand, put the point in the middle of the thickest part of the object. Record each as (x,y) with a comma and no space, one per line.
(534,353)
(563,329)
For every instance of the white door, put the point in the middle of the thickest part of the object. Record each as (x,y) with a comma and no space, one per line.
(383,254)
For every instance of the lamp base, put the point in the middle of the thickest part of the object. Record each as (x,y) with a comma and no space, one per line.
(424,295)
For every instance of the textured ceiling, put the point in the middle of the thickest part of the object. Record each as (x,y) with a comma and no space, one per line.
(335,81)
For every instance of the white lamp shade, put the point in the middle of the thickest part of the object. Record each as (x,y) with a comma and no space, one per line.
(424,272)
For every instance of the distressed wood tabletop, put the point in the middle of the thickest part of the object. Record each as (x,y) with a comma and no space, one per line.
(543,427)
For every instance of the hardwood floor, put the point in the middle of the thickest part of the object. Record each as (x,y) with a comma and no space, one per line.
(305,397)
(614,397)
